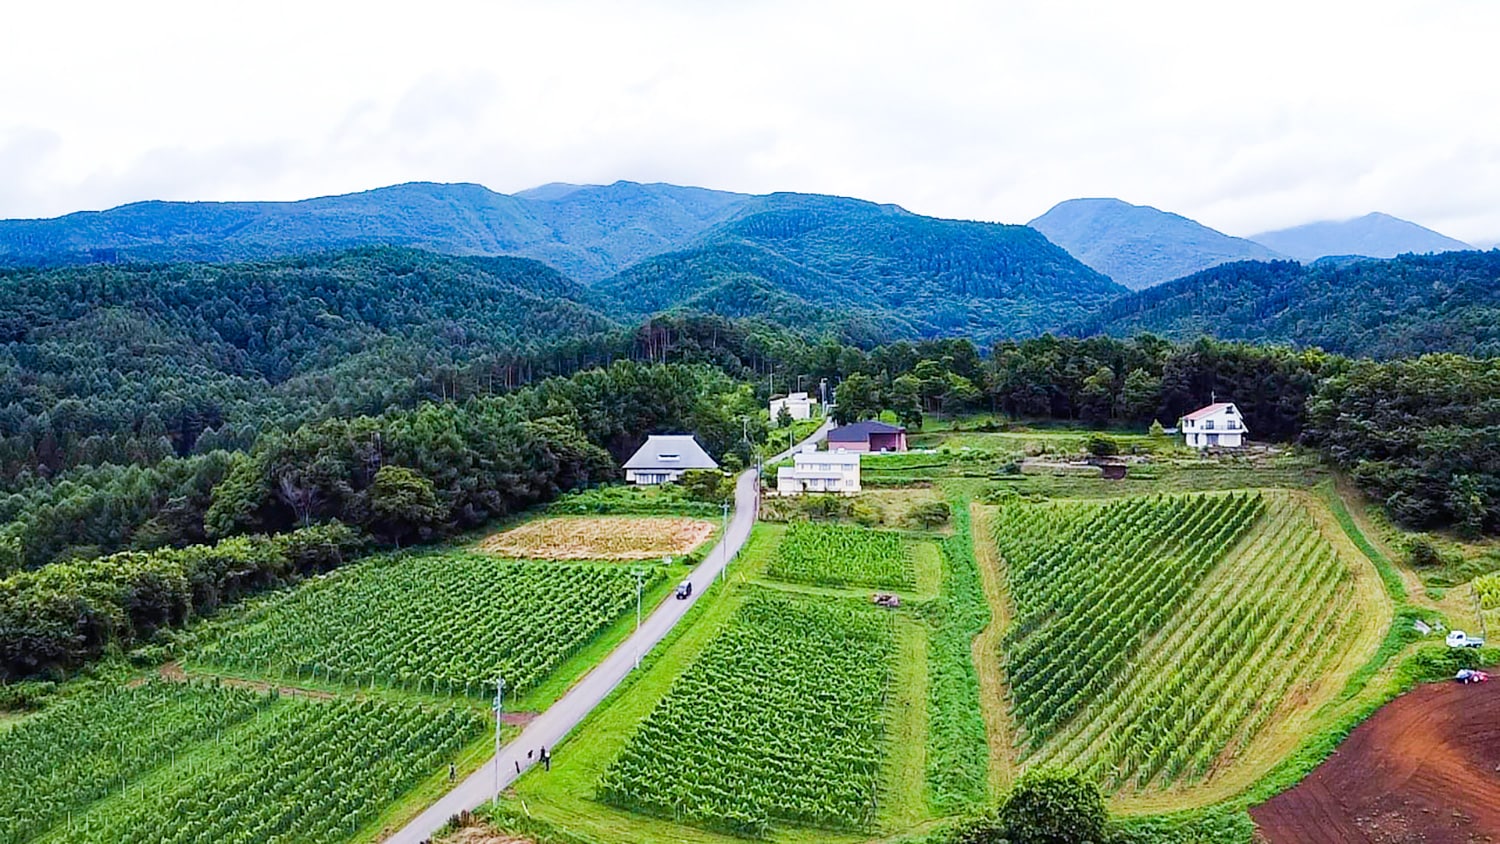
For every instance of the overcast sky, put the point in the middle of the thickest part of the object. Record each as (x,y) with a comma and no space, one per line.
(1243,116)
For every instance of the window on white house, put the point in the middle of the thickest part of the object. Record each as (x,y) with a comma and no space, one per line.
(671,457)
(1208,425)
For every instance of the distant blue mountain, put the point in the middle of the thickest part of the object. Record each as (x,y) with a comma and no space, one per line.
(587,232)
(1371,236)
(1139,246)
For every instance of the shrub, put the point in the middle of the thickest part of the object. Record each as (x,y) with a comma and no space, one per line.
(1101,445)
(1156,429)
(1421,552)
(931,514)
(1052,806)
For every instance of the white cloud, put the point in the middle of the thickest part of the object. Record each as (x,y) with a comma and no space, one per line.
(1245,117)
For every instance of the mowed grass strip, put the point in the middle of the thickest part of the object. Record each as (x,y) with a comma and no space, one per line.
(600,538)
(780,720)
(844,555)
(446,623)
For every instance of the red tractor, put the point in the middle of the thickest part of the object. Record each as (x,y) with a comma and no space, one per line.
(1469,675)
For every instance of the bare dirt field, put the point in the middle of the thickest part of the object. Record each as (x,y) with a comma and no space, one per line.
(600,538)
(1425,768)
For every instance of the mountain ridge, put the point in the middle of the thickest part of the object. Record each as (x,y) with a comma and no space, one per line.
(1374,235)
(1139,245)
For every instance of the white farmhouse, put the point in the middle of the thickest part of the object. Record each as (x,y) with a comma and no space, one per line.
(664,458)
(819,471)
(1219,425)
(797,404)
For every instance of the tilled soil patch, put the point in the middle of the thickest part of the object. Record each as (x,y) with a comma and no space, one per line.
(1425,768)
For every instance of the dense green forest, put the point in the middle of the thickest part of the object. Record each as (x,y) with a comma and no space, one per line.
(879,265)
(1411,305)
(133,363)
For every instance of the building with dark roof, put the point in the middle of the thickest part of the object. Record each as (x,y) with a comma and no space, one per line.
(869,435)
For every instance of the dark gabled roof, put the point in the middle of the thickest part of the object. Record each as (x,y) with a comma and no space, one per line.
(861,431)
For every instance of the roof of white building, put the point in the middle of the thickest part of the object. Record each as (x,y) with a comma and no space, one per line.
(671,451)
(1209,411)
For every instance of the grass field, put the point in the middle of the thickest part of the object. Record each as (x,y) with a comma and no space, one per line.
(445,623)
(600,538)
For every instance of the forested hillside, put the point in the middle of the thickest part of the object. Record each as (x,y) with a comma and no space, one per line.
(1408,306)
(1140,246)
(133,363)
(586,232)
(896,272)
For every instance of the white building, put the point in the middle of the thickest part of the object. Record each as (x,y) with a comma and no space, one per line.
(797,404)
(819,471)
(664,458)
(1219,425)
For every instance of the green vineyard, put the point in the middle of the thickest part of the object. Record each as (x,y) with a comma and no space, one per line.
(444,624)
(82,749)
(1092,581)
(303,770)
(1487,591)
(843,555)
(1187,652)
(782,718)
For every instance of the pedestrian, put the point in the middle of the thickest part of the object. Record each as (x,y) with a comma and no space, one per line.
(546,758)
(518,767)
(452,772)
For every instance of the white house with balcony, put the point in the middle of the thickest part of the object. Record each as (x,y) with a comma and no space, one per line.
(1219,425)
(663,459)
(819,471)
(797,404)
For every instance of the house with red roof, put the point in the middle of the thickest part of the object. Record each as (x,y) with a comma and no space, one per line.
(1219,425)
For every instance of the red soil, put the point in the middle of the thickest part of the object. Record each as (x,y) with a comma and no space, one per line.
(1425,768)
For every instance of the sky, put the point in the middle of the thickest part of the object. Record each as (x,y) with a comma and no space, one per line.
(1246,117)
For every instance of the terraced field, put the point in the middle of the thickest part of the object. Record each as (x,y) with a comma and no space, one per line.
(440,623)
(1158,636)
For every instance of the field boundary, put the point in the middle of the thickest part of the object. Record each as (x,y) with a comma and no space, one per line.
(988,659)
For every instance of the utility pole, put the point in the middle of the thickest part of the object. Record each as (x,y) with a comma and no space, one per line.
(499,707)
(724,541)
(639,574)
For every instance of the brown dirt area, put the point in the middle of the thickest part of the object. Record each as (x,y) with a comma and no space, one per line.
(1425,768)
(600,538)
(481,835)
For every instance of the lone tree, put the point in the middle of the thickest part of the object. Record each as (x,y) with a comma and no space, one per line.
(1053,806)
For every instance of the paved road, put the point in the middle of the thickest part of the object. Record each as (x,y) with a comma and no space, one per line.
(549,728)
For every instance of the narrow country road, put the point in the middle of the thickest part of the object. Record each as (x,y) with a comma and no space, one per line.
(549,728)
